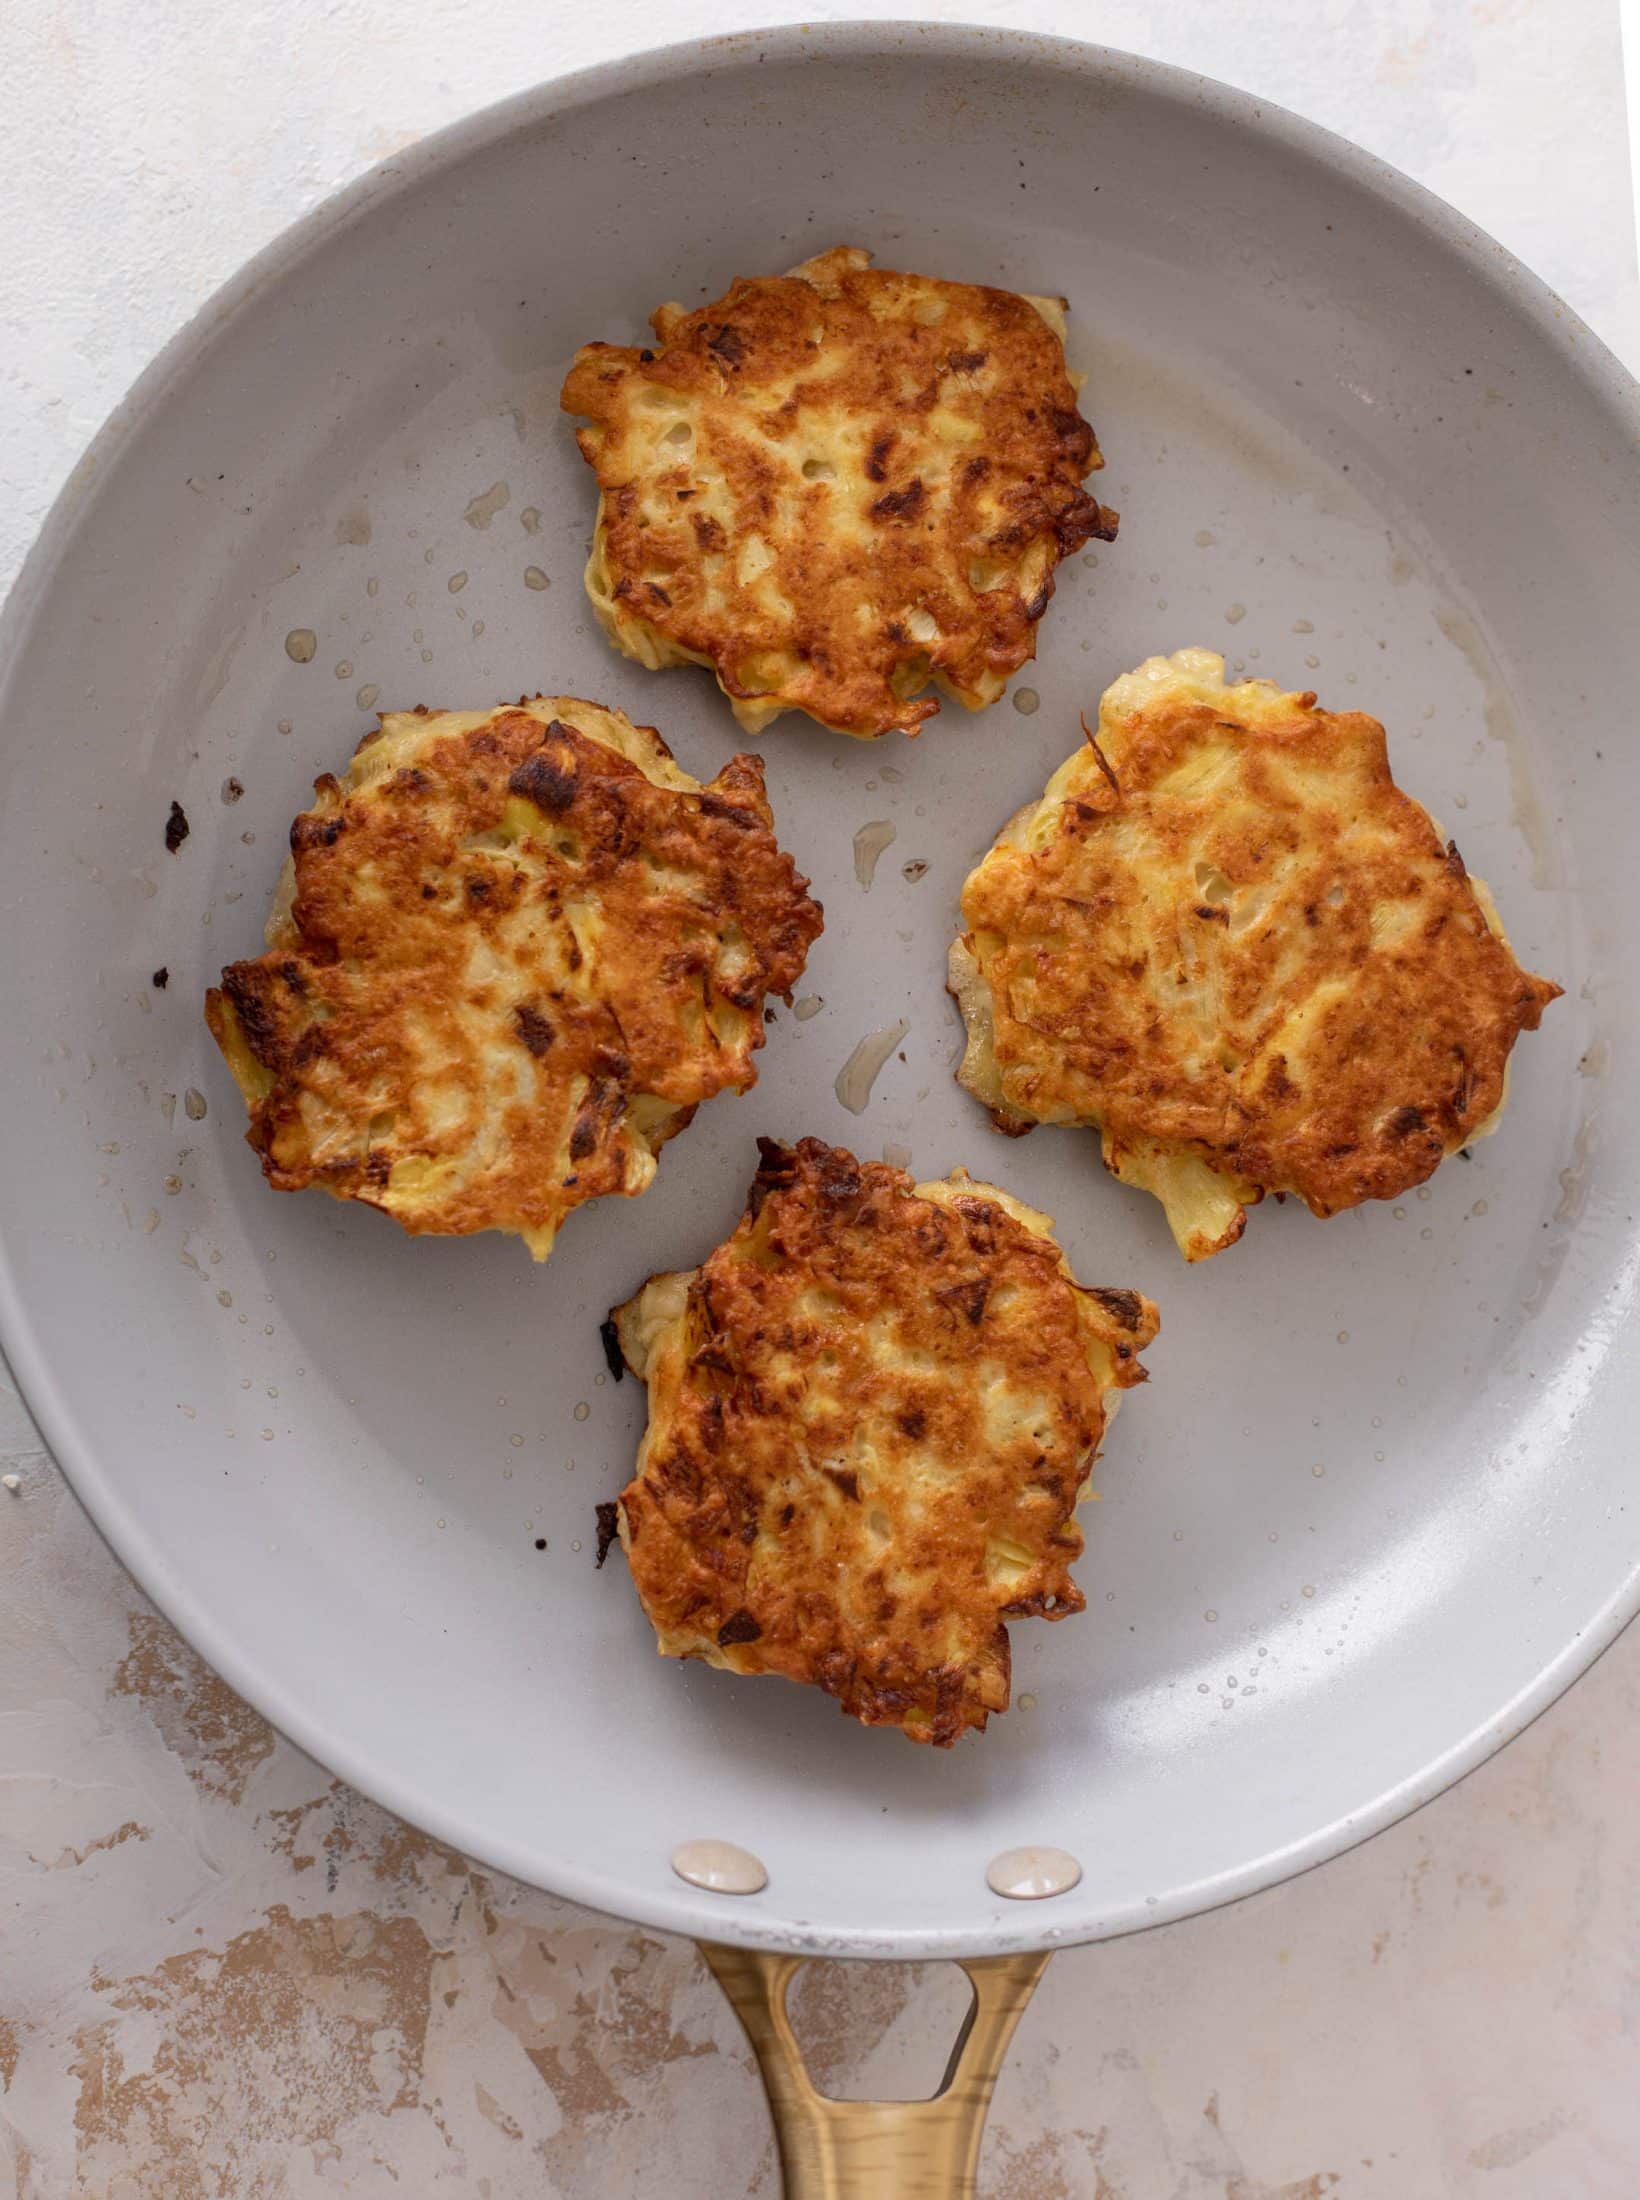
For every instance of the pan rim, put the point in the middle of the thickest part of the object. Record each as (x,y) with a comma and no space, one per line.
(677,1908)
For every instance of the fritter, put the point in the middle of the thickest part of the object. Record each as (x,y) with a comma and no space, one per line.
(836,486)
(1226,940)
(872,1412)
(512,951)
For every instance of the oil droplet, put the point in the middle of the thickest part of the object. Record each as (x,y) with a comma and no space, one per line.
(1027,702)
(483,508)
(719,1867)
(1210,1615)
(1303,626)
(284,723)
(1479,1207)
(427,656)
(1308,1590)
(1032,1875)
(173,1184)
(367,695)
(1234,614)
(478,628)
(193,1105)
(344,671)
(1205,538)
(810,1005)
(456,583)
(224,1298)
(530,520)
(860,1072)
(1027,1702)
(869,843)
(516,1441)
(897,1157)
(534,577)
(301,646)
(1318,1470)
(1343,1336)
(372,587)
(582,1410)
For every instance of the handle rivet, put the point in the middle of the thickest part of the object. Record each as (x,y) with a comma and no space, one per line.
(719,1867)
(1032,1875)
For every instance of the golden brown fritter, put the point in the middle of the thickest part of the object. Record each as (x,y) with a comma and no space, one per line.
(871,1415)
(835,486)
(1228,941)
(512,952)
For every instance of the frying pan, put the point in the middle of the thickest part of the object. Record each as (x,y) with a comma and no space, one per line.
(1378,1503)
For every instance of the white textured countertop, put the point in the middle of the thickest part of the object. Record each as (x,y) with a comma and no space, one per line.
(223,1976)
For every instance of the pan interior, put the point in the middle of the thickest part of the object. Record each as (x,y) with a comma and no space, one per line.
(1378,1501)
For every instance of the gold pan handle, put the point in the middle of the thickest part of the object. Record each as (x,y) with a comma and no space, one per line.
(877,2150)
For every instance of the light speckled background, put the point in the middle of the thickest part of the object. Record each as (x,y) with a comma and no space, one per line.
(225,1977)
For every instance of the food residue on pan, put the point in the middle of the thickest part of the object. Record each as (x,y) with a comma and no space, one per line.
(177,828)
(162,977)
(301,647)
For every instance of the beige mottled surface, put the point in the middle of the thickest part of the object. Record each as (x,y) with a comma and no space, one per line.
(223,1976)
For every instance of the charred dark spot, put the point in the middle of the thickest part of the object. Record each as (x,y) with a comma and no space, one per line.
(1211,914)
(1463,1091)
(846,1480)
(738,1627)
(1405,1122)
(894,631)
(533,1028)
(610,1338)
(429,893)
(1040,601)
(478,887)
(550,777)
(646,358)
(177,828)
(976,469)
(788,1513)
(708,533)
(256,1018)
(726,344)
(1125,1308)
(903,503)
(1082,518)
(969,1298)
(378,1165)
(912,1421)
(1454,862)
(658,593)
(609,1527)
(732,813)
(965,362)
(162,977)
(573,956)
(310,832)
(877,458)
